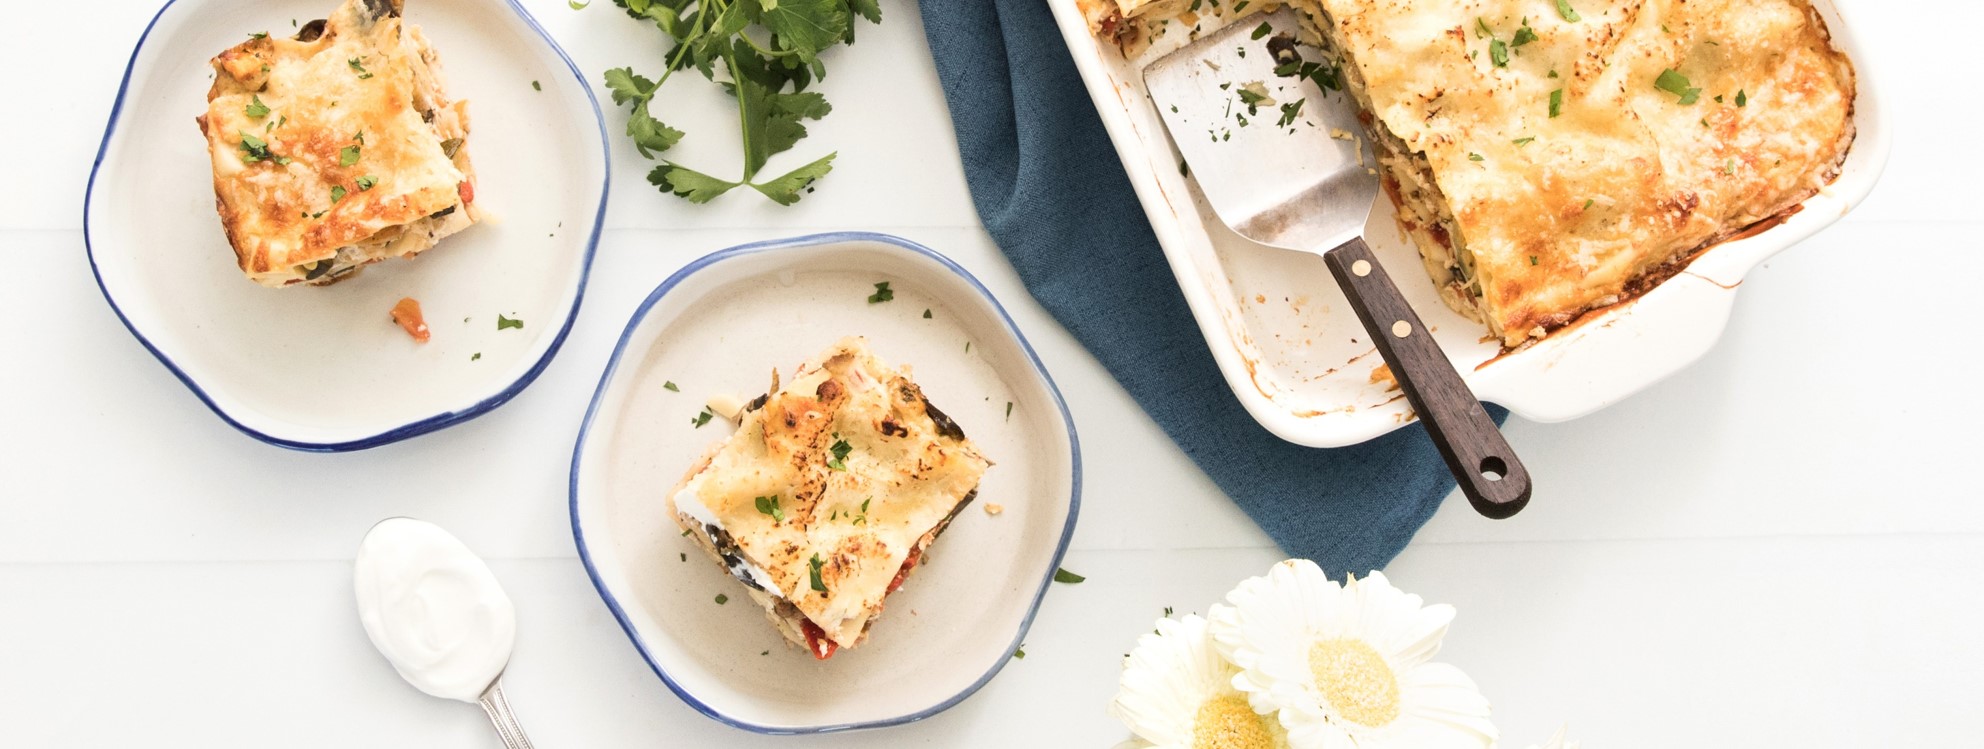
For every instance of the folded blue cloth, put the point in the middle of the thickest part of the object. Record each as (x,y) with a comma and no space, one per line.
(1050,190)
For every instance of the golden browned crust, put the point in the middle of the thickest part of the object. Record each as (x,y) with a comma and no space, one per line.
(849,465)
(336,148)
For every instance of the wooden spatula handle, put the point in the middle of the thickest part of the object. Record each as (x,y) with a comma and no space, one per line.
(1480,458)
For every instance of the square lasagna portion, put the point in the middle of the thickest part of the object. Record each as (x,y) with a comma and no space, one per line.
(829,494)
(336,148)
(1550,158)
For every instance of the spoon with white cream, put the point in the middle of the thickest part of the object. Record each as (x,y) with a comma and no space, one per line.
(434,609)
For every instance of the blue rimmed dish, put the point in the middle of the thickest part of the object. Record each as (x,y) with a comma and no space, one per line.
(718,327)
(324,368)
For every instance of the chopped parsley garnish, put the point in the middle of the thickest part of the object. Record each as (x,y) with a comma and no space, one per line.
(254,149)
(256,108)
(1472,156)
(813,570)
(476,357)
(1729,167)
(503,323)
(1556,102)
(840,449)
(1289,112)
(702,418)
(722,599)
(882,293)
(259,35)
(348,156)
(670,386)
(1532,260)
(1742,99)
(1587,203)
(1020,653)
(355,65)
(1498,53)
(337,193)
(1063,576)
(1009,410)
(1263,29)
(576,5)
(535,86)
(1677,84)
(1167,611)
(1523,141)
(862,519)
(1481,30)
(769,506)
(1524,34)
(1564,9)
(366,182)
(926,314)
(450,146)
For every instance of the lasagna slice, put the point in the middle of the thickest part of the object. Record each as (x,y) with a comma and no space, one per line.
(336,148)
(1551,162)
(829,493)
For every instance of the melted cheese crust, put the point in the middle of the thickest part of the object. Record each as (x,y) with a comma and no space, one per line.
(298,212)
(908,470)
(1528,220)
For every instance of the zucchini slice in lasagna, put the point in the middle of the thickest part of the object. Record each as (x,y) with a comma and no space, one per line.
(336,148)
(829,493)
(1551,162)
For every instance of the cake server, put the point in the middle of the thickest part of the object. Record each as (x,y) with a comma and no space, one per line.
(1275,158)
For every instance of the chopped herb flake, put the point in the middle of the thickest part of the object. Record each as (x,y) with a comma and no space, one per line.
(356,65)
(366,182)
(882,293)
(926,314)
(1263,30)
(1020,653)
(535,86)
(702,418)
(1009,410)
(1742,98)
(1564,9)
(1674,83)
(1064,576)
(1524,35)
(722,599)
(813,571)
(769,506)
(1523,141)
(256,108)
(348,156)
(505,323)
(337,193)
(840,449)
(1498,53)
(1587,203)
(670,386)
(1471,156)
(259,35)
(1556,102)
(1532,260)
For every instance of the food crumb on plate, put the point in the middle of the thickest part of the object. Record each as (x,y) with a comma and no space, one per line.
(994,508)
(407,315)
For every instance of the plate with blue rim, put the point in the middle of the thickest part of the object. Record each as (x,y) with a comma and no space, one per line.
(325,368)
(716,329)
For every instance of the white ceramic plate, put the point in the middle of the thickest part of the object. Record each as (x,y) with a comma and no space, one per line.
(1294,353)
(325,368)
(719,326)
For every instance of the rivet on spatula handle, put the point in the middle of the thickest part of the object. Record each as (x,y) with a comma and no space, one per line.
(1477,454)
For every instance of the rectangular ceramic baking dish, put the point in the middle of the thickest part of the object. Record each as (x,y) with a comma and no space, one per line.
(1292,349)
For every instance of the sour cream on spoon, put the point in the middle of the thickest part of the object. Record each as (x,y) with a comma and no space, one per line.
(437,613)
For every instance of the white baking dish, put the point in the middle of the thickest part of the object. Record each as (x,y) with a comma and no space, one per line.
(1293,351)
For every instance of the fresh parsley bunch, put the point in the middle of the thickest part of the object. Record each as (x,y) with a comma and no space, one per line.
(767,78)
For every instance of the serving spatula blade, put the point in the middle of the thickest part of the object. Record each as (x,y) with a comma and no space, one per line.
(1282,162)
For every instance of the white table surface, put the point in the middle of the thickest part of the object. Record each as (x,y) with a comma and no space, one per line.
(1779,546)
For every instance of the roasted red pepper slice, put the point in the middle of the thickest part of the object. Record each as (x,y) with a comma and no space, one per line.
(817,642)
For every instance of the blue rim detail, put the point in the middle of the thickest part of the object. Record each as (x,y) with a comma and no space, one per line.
(613,363)
(423,426)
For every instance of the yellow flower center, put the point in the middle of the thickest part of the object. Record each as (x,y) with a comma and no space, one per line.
(1228,723)
(1355,681)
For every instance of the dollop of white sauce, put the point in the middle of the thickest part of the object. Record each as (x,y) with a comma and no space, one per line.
(433,608)
(687,501)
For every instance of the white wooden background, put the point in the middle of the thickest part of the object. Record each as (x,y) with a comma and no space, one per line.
(1778,547)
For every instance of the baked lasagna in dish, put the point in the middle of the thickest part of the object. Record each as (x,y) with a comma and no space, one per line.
(337,147)
(829,494)
(1552,158)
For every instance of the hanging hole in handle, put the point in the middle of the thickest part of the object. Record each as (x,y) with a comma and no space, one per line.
(1493,469)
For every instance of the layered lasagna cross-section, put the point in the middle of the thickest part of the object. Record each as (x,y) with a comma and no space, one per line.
(336,147)
(1554,157)
(829,494)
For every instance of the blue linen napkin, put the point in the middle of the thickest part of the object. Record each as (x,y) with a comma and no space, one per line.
(1050,190)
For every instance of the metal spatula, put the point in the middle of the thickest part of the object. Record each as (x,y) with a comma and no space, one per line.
(1290,175)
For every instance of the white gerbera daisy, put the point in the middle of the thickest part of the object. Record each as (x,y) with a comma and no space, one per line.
(1557,741)
(1176,693)
(1348,667)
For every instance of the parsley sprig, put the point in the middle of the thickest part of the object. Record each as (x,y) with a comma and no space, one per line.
(767,79)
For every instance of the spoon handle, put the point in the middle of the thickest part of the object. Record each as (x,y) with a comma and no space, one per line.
(498,708)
